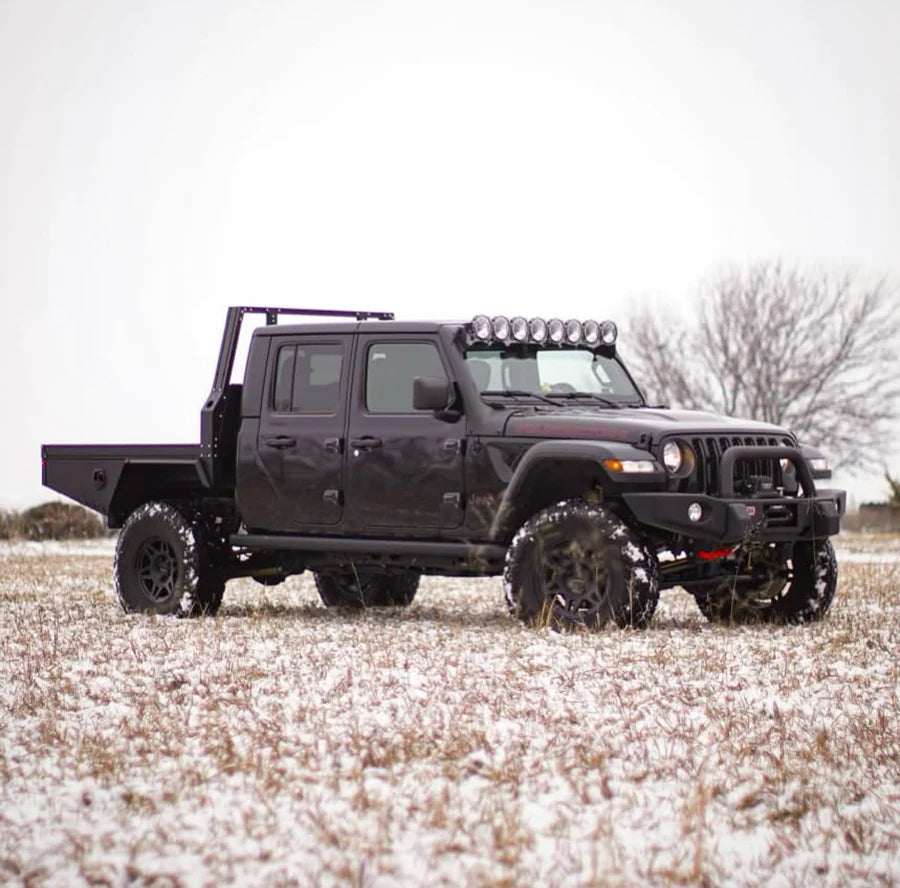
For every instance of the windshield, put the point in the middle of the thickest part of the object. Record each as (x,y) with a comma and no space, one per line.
(550,372)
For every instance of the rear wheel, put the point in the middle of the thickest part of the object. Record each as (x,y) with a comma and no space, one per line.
(367,588)
(162,565)
(577,564)
(791,583)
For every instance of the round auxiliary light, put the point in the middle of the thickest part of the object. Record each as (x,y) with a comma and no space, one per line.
(672,457)
(500,326)
(556,330)
(481,327)
(591,332)
(538,329)
(695,512)
(573,331)
(608,332)
(519,328)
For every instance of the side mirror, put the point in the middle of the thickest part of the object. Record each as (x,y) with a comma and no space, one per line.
(431,393)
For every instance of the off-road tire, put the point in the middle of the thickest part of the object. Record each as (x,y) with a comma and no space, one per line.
(800,588)
(577,564)
(367,588)
(162,565)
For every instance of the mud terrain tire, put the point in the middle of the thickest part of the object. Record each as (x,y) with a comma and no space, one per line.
(799,587)
(367,588)
(576,564)
(161,565)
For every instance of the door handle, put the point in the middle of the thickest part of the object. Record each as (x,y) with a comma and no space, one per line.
(282,442)
(365,443)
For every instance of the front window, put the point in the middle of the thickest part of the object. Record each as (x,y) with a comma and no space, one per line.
(551,371)
(391,368)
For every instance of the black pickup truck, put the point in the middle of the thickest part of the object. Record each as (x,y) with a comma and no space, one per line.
(372,451)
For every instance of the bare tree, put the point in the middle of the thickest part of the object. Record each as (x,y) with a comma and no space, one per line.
(812,351)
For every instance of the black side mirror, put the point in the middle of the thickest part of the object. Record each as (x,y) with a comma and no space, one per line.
(432,393)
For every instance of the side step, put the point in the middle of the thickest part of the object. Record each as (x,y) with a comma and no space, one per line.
(369,545)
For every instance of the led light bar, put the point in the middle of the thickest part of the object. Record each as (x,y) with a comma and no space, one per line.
(483,328)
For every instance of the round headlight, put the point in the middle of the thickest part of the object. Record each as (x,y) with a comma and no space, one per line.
(608,332)
(481,327)
(672,457)
(591,332)
(538,329)
(573,331)
(500,326)
(556,330)
(519,329)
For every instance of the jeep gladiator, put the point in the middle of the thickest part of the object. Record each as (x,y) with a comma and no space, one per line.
(371,451)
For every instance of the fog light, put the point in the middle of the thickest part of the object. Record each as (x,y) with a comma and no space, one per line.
(574,331)
(538,328)
(591,332)
(481,327)
(519,328)
(556,330)
(500,325)
(695,512)
(608,333)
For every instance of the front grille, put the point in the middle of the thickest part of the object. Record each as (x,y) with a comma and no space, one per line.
(709,449)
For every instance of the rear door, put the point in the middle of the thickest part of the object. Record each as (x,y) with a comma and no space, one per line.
(301,430)
(404,466)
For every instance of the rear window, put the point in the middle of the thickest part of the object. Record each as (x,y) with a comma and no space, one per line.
(308,378)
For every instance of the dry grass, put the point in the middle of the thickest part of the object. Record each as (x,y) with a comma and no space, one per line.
(284,744)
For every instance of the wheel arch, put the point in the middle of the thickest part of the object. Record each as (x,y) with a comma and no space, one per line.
(552,471)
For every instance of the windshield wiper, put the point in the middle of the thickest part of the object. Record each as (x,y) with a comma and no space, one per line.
(592,395)
(515,393)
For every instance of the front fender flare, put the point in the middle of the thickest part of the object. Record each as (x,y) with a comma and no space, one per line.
(551,471)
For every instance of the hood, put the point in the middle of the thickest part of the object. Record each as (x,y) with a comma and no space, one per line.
(631,424)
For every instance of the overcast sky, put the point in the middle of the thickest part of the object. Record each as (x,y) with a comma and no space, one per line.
(163,160)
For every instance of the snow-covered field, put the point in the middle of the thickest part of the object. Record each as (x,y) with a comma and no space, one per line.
(284,744)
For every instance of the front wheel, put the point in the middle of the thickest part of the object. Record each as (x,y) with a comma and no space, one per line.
(790,583)
(161,565)
(367,588)
(577,564)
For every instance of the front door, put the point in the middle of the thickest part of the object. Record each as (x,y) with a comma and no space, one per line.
(301,429)
(404,466)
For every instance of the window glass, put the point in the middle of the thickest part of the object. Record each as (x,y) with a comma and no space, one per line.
(284,377)
(546,370)
(390,370)
(317,378)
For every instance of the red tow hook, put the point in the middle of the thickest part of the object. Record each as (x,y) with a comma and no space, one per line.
(714,554)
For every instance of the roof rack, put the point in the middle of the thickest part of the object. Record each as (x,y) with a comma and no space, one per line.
(272,313)
(236,315)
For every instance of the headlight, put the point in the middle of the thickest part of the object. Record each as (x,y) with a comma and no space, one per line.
(538,329)
(519,329)
(481,327)
(556,330)
(672,457)
(819,464)
(500,326)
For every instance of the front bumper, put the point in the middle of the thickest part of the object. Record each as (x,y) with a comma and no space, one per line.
(731,520)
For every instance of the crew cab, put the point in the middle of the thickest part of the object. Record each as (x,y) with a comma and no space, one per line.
(372,451)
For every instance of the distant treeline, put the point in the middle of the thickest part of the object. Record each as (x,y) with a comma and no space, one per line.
(51,521)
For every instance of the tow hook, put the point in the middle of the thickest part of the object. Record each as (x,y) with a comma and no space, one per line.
(714,554)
